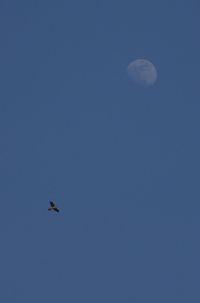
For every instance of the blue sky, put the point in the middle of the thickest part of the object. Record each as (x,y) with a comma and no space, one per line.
(121,161)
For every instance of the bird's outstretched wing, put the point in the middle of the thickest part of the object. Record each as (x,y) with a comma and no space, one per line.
(52,203)
(56,209)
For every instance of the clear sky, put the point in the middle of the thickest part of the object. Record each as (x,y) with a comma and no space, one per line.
(121,161)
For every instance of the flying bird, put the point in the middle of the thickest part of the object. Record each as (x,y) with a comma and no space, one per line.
(53,206)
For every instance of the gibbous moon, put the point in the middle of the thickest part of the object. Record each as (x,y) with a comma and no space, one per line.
(142,72)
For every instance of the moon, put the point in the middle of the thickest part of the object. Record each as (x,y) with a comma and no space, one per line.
(142,72)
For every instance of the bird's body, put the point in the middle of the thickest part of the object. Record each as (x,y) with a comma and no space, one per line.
(53,206)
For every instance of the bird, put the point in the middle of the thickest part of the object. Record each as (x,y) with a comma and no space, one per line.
(53,206)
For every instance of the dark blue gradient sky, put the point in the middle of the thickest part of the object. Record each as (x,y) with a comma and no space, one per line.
(121,161)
